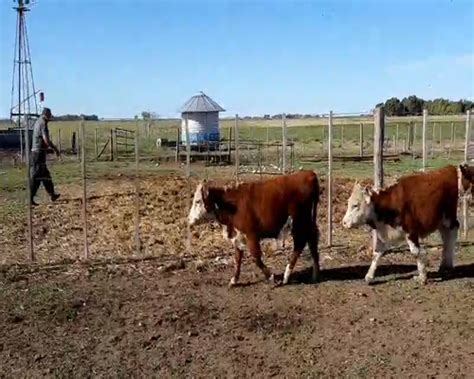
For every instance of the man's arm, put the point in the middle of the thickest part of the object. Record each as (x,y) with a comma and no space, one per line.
(48,141)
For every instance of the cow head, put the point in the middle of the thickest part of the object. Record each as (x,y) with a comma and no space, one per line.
(200,209)
(359,207)
(466,179)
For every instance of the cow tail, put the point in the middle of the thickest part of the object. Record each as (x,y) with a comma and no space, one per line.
(315,200)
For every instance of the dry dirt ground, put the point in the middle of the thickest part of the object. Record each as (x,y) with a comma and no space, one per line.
(111,222)
(172,315)
(138,320)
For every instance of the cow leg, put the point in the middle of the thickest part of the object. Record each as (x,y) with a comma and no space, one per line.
(421,259)
(256,251)
(238,263)
(449,237)
(378,253)
(299,241)
(313,248)
(291,265)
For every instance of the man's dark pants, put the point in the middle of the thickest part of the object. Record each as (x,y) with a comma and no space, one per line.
(40,174)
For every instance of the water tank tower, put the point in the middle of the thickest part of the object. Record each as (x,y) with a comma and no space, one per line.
(202,114)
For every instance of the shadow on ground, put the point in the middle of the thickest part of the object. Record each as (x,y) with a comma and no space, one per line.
(383,274)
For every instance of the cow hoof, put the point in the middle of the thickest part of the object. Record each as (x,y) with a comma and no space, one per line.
(232,282)
(369,279)
(276,281)
(421,279)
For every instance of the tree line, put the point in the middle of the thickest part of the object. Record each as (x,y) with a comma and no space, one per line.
(413,106)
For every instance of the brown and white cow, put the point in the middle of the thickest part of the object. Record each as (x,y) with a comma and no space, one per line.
(413,208)
(251,212)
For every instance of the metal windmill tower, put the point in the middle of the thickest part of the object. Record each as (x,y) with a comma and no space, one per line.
(24,107)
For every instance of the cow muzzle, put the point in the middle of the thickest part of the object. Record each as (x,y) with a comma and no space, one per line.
(346,223)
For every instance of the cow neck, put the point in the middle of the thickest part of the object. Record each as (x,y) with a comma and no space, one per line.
(383,209)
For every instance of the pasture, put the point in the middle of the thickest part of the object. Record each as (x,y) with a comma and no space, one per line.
(166,311)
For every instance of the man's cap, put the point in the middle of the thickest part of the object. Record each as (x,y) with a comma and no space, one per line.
(47,112)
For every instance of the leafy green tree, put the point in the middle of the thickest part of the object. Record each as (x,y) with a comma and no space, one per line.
(394,107)
(413,105)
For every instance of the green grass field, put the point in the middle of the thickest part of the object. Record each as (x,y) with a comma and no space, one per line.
(445,141)
(309,135)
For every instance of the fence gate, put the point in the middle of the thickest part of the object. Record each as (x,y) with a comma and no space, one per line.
(124,141)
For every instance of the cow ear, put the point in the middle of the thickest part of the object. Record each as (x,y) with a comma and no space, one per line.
(368,191)
(464,170)
(205,189)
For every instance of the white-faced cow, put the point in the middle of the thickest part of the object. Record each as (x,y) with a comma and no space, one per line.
(251,212)
(413,208)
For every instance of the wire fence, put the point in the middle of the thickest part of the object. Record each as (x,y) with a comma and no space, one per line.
(127,185)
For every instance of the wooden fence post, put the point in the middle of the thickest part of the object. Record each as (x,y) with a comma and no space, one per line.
(73,143)
(440,135)
(236,142)
(397,136)
(29,213)
(466,157)
(409,135)
(454,139)
(178,142)
(96,147)
(60,145)
(229,146)
(78,141)
(451,140)
(361,139)
(467,135)
(111,145)
(414,139)
(84,189)
(283,144)
(324,139)
(379,130)
(188,181)
(342,135)
(138,245)
(433,140)
(423,141)
(329,181)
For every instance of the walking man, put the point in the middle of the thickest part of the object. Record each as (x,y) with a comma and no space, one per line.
(39,148)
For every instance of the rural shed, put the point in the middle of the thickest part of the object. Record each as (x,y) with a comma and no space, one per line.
(202,114)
